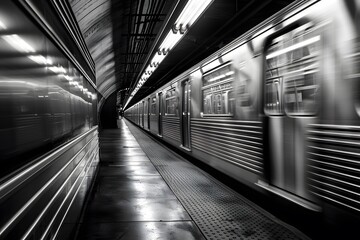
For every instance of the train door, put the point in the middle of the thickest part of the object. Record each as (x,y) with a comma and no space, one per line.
(291,97)
(148,112)
(144,114)
(138,114)
(185,120)
(160,113)
(141,112)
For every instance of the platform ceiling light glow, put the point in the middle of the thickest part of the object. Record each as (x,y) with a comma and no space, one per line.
(188,16)
(39,59)
(2,25)
(21,45)
(18,43)
(56,69)
(67,77)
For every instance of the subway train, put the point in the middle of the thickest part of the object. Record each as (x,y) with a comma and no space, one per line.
(278,109)
(45,99)
(49,149)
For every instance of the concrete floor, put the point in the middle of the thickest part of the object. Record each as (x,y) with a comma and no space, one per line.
(130,199)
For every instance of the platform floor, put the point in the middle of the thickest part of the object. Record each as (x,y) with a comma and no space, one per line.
(145,191)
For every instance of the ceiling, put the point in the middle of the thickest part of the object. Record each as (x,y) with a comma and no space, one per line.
(123,34)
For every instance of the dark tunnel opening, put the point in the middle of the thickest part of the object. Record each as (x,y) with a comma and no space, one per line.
(108,113)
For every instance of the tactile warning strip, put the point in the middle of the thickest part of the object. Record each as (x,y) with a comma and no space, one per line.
(219,212)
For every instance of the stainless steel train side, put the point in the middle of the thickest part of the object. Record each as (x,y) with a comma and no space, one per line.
(278,108)
(49,150)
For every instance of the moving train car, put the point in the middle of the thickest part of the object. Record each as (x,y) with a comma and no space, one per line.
(277,109)
(45,100)
(49,149)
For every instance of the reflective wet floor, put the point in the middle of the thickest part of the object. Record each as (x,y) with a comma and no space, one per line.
(130,199)
(145,191)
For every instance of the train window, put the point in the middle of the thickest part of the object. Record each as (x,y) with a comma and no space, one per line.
(217,90)
(273,93)
(171,102)
(243,89)
(153,106)
(292,66)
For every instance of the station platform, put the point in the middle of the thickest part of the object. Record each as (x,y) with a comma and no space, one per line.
(146,191)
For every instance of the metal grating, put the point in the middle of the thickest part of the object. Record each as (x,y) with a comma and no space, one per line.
(219,212)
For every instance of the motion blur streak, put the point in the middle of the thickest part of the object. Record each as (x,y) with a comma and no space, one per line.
(277,109)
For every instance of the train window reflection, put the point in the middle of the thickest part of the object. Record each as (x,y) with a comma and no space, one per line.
(273,92)
(217,90)
(292,65)
(242,85)
(171,102)
(153,106)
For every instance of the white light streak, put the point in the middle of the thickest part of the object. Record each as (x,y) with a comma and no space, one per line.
(18,43)
(191,12)
(170,40)
(293,47)
(57,69)
(39,59)
(67,77)
(158,58)
(2,25)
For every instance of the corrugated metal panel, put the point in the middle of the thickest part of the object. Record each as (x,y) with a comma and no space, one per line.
(171,128)
(334,163)
(237,142)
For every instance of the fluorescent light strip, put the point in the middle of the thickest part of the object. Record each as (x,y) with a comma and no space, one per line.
(158,58)
(200,10)
(170,40)
(221,76)
(192,10)
(293,47)
(19,82)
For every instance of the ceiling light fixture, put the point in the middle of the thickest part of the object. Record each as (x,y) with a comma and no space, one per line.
(188,16)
